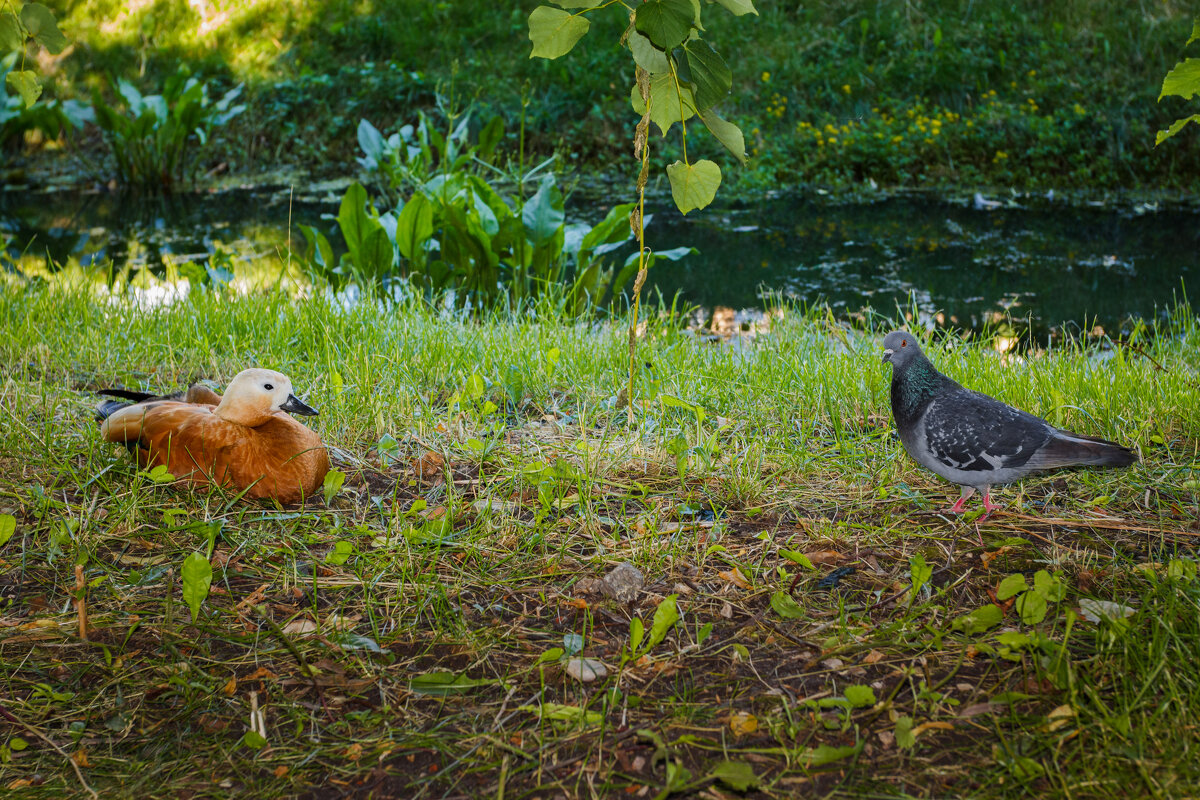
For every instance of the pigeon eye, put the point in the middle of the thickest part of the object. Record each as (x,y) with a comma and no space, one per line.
(903,343)
(268,387)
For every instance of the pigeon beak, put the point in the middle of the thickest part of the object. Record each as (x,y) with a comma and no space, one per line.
(294,406)
(887,354)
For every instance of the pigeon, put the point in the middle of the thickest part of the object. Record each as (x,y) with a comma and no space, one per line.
(974,440)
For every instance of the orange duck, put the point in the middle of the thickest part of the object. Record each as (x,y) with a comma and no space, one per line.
(244,441)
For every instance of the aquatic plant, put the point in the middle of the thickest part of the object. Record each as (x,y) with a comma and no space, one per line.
(460,222)
(153,140)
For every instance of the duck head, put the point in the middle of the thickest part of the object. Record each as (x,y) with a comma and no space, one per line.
(254,395)
(900,347)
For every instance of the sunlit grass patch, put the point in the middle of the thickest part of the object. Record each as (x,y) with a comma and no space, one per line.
(423,627)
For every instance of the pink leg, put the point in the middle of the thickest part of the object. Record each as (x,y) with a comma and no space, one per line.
(988,505)
(961,505)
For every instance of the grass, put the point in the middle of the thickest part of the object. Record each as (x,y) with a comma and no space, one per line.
(478,514)
(1031,95)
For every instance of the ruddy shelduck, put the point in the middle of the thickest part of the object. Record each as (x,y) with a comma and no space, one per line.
(243,441)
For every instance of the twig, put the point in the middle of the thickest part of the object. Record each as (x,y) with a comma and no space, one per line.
(4,712)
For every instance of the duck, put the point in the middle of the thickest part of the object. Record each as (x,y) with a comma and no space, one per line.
(976,441)
(244,441)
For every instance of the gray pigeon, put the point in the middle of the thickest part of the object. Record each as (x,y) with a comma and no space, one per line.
(974,440)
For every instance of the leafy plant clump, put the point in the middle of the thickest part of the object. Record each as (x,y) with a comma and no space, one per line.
(452,222)
(1182,81)
(153,140)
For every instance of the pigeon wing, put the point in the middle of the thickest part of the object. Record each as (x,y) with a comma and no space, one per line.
(972,432)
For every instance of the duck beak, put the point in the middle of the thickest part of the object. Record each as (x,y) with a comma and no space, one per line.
(294,406)
(887,354)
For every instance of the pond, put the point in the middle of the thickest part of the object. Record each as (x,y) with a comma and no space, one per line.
(971,264)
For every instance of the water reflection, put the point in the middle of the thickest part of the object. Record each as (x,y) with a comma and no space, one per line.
(967,265)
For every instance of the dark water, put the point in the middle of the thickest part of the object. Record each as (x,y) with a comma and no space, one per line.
(1048,266)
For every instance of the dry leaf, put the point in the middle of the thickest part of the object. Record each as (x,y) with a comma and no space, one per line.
(1059,717)
(261,674)
(300,627)
(80,757)
(280,771)
(429,467)
(935,726)
(735,577)
(353,752)
(230,687)
(824,557)
(872,657)
(741,723)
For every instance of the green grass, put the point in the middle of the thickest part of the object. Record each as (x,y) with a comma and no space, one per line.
(480,558)
(1092,71)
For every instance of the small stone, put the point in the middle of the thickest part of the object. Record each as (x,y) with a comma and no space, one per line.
(623,582)
(586,670)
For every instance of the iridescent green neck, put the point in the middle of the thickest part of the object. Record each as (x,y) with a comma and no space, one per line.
(913,386)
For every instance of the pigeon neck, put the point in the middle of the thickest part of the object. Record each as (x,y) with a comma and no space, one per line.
(913,386)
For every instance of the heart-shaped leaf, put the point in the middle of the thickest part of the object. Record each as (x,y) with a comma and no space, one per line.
(554,31)
(693,185)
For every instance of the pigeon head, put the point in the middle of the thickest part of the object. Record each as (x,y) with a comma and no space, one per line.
(900,347)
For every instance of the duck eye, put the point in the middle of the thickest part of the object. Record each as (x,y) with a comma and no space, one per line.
(268,387)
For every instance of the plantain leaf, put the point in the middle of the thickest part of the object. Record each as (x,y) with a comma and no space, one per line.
(8,526)
(665,617)
(554,31)
(693,185)
(197,578)
(415,226)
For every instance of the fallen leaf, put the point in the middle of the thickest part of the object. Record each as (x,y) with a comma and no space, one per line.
(824,556)
(429,467)
(932,726)
(586,670)
(735,577)
(280,771)
(230,686)
(980,708)
(741,722)
(80,757)
(1059,717)
(261,674)
(872,657)
(299,627)
(353,752)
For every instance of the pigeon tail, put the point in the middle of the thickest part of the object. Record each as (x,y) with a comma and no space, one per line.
(1068,449)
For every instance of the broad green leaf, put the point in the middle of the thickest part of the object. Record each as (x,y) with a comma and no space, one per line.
(612,230)
(637,632)
(1032,608)
(371,141)
(254,740)
(674,254)
(737,775)
(1014,639)
(349,640)
(160,474)
(979,620)
(554,31)
(905,738)
(786,606)
(726,133)
(860,696)
(8,526)
(40,23)
(332,484)
(647,56)
(551,655)
(797,557)
(666,23)
(920,572)
(669,103)
(826,754)
(1195,32)
(442,683)
(11,35)
(708,72)
(340,554)
(576,3)
(377,254)
(354,221)
(317,250)
(1049,586)
(739,7)
(1183,80)
(564,712)
(197,578)
(543,213)
(25,83)
(693,186)
(665,617)
(1011,586)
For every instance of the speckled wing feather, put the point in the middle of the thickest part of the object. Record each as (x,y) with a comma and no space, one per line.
(972,432)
